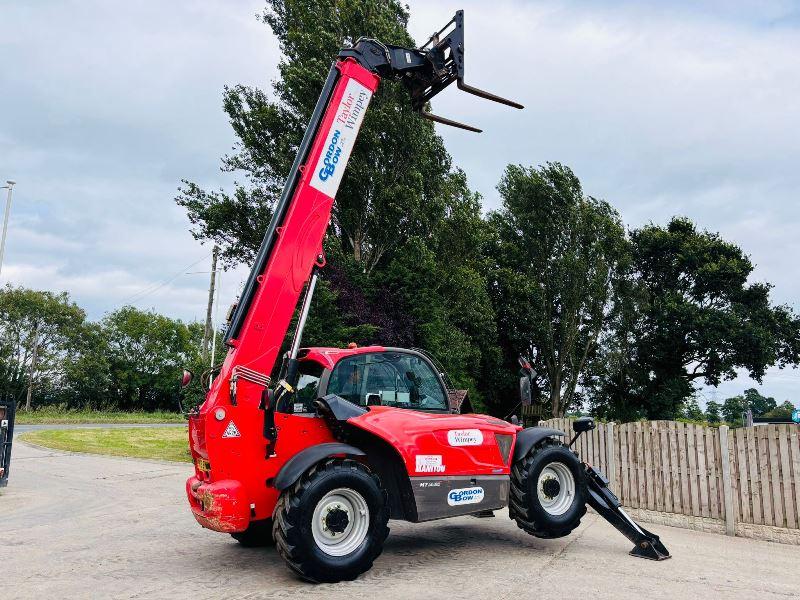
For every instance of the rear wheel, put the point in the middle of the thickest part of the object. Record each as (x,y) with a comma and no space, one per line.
(330,526)
(548,491)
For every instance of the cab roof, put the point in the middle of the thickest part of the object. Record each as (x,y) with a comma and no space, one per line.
(328,357)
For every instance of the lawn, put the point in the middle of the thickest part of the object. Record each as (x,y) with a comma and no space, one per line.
(60,415)
(164,443)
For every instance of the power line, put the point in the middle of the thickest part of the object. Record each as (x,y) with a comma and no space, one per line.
(152,288)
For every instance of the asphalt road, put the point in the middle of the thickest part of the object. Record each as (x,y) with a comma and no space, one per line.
(80,526)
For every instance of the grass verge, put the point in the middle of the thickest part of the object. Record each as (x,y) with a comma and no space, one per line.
(62,416)
(163,443)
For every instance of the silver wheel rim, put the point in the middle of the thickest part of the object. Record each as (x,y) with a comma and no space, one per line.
(355,532)
(560,502)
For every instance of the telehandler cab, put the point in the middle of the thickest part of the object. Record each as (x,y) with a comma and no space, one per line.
(350,438)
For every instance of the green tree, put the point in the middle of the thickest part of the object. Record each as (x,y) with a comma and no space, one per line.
(692,410)
(713,412)
(37,331)
(757,403)
(784,411)
(701,320)
(87,373)
(439,285)
(733,408)
(392,189)
(146,354)
(556,259)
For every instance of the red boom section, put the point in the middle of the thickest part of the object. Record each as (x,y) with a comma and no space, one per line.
(231,490)
(299,240)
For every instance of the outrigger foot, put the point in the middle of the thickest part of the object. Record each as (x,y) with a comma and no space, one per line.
(647,544)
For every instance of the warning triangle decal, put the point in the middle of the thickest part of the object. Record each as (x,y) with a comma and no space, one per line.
(231,431)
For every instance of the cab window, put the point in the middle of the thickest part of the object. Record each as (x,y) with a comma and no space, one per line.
(388,379)
(307,387)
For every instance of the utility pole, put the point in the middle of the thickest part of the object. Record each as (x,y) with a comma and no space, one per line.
(214,337)
(34,360)
(9,187)
(209,324)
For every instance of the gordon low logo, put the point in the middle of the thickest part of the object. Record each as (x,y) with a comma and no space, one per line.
(472,495)
(331,157)
(465,437)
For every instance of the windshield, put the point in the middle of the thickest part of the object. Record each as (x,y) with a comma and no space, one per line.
(388,379)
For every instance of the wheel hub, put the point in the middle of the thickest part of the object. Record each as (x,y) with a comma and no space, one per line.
(551,487)
(556,488)
(337,520)
(340,521)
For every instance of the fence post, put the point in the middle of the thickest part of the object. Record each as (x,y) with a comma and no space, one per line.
(727,488)
(611,467)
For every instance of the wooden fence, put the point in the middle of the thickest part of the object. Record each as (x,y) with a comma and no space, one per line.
(740,478)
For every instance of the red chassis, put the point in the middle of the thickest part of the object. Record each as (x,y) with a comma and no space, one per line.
(239,484)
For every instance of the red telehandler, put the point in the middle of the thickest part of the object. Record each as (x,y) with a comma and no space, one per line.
(349,438)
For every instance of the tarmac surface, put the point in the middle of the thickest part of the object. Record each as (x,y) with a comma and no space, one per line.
(83,526)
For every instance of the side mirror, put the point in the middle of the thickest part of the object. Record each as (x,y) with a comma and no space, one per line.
(525,391)
(186,378)
(583,424)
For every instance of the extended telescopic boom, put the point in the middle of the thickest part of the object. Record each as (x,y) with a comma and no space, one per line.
(292,245)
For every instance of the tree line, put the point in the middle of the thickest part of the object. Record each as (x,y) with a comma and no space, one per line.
(733,410)
(624,323)
(51,354)
(131,359)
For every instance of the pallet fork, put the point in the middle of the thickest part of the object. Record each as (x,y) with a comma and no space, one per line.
(647,544)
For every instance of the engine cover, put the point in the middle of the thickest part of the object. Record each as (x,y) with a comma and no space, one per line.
(456,464)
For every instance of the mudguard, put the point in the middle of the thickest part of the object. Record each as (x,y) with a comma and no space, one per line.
(528,438)
(303,461)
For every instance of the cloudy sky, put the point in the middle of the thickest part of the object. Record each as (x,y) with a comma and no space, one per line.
(688,108)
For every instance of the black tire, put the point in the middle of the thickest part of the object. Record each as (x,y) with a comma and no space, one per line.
(258,534)
(292,528)
(524,504)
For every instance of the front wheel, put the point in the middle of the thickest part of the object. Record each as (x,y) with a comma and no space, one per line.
(548,491)
(330,526)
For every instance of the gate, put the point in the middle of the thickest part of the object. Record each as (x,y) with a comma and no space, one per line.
(7,413)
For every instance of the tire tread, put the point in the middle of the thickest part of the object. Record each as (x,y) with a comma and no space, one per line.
(286,529)
(519,498)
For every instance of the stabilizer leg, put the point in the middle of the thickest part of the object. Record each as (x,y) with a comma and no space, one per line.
(647,544)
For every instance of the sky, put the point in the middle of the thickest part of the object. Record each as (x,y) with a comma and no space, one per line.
(681,108)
